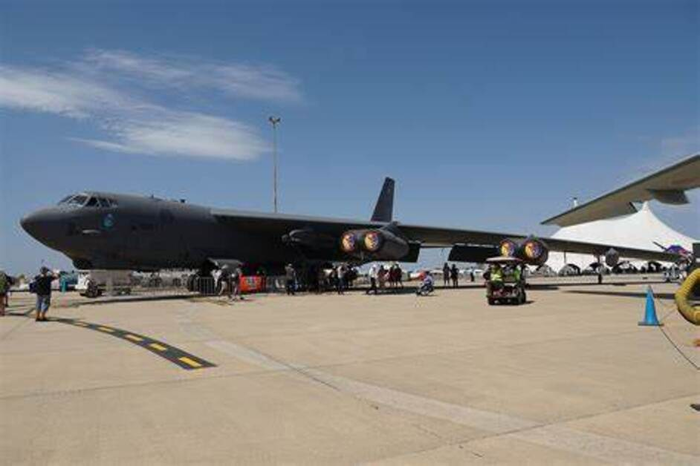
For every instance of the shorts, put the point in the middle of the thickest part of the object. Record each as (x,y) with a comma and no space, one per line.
(43,303)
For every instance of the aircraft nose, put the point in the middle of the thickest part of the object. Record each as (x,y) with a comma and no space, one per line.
(30,223)
(39,224)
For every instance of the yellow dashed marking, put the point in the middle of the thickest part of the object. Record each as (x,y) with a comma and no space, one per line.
(189,361)
(175,355)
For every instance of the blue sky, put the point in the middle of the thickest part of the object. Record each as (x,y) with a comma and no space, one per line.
(552,99)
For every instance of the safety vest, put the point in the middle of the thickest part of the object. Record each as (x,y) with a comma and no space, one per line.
(496,275)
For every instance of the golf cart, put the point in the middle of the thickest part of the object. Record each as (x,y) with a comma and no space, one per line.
(506,280)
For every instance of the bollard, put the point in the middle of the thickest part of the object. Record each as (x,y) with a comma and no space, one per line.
(650,318)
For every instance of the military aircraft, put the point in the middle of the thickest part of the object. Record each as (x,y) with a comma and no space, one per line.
(99,230)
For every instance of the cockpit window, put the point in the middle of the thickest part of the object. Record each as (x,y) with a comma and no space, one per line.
(78,200)
(85,200)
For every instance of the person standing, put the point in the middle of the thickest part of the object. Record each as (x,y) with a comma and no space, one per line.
(471,275)
(4,290)
(42,288)
(223,283)
(234,280)
(446,275)
(454,274)
(382,275)
(373,273)
(290,277)
(342,273)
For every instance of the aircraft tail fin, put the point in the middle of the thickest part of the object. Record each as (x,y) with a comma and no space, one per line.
(384,209)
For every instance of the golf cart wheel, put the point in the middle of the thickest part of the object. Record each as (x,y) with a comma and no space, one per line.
(491,301)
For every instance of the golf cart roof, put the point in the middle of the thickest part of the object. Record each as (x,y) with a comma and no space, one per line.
(504,260)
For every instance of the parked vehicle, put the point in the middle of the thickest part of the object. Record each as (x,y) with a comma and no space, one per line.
(510,288)
(93,283)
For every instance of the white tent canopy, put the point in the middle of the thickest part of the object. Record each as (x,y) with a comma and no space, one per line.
(639,230)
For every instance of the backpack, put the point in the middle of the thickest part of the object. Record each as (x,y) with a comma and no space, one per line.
(32,286)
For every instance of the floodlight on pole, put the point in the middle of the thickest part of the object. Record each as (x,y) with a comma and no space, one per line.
(274,121)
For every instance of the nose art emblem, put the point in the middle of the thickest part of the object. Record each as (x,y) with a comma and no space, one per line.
(108,221)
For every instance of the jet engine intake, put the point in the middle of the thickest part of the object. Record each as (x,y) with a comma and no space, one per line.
(508,248)
(612,257)
(378,244)
(534,251)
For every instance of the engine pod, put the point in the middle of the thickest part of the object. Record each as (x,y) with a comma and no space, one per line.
(534,251)
(373,241)
(508,248)
(612,257)
(348,241)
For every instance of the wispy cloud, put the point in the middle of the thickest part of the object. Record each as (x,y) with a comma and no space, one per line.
(106,88)
(236,80)
(42,90)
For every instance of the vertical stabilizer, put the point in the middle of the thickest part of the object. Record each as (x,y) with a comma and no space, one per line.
(383,211)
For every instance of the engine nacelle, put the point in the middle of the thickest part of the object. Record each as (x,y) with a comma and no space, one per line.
(308,238)
(508,248)
(612,257)
(534,251)
(376,244)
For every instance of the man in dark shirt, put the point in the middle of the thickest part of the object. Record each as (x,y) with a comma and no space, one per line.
(42,288)
(290,277)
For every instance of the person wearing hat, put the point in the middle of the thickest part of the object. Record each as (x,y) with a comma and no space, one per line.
(42,288)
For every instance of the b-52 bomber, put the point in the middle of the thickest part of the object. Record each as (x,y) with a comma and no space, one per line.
(99,230)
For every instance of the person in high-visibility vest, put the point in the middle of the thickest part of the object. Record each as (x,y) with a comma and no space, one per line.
(496,276)
(517,274)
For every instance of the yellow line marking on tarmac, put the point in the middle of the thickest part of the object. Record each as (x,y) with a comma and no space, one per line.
(158,347)
(82,324)
(105,329)
(133,337)
(189,361)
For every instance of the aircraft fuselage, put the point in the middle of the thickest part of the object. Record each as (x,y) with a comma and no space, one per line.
(147,233)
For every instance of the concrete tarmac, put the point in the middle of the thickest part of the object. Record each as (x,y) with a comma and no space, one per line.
(569,378)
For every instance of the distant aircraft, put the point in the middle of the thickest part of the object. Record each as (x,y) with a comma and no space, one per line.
(667,186)
(675,249)
(100,230)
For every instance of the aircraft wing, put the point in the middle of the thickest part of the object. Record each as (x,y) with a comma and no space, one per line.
(269,224)
(667,186)
(279,224)
(447,237)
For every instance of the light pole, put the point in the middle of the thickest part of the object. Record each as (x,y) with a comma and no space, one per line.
(274,121)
